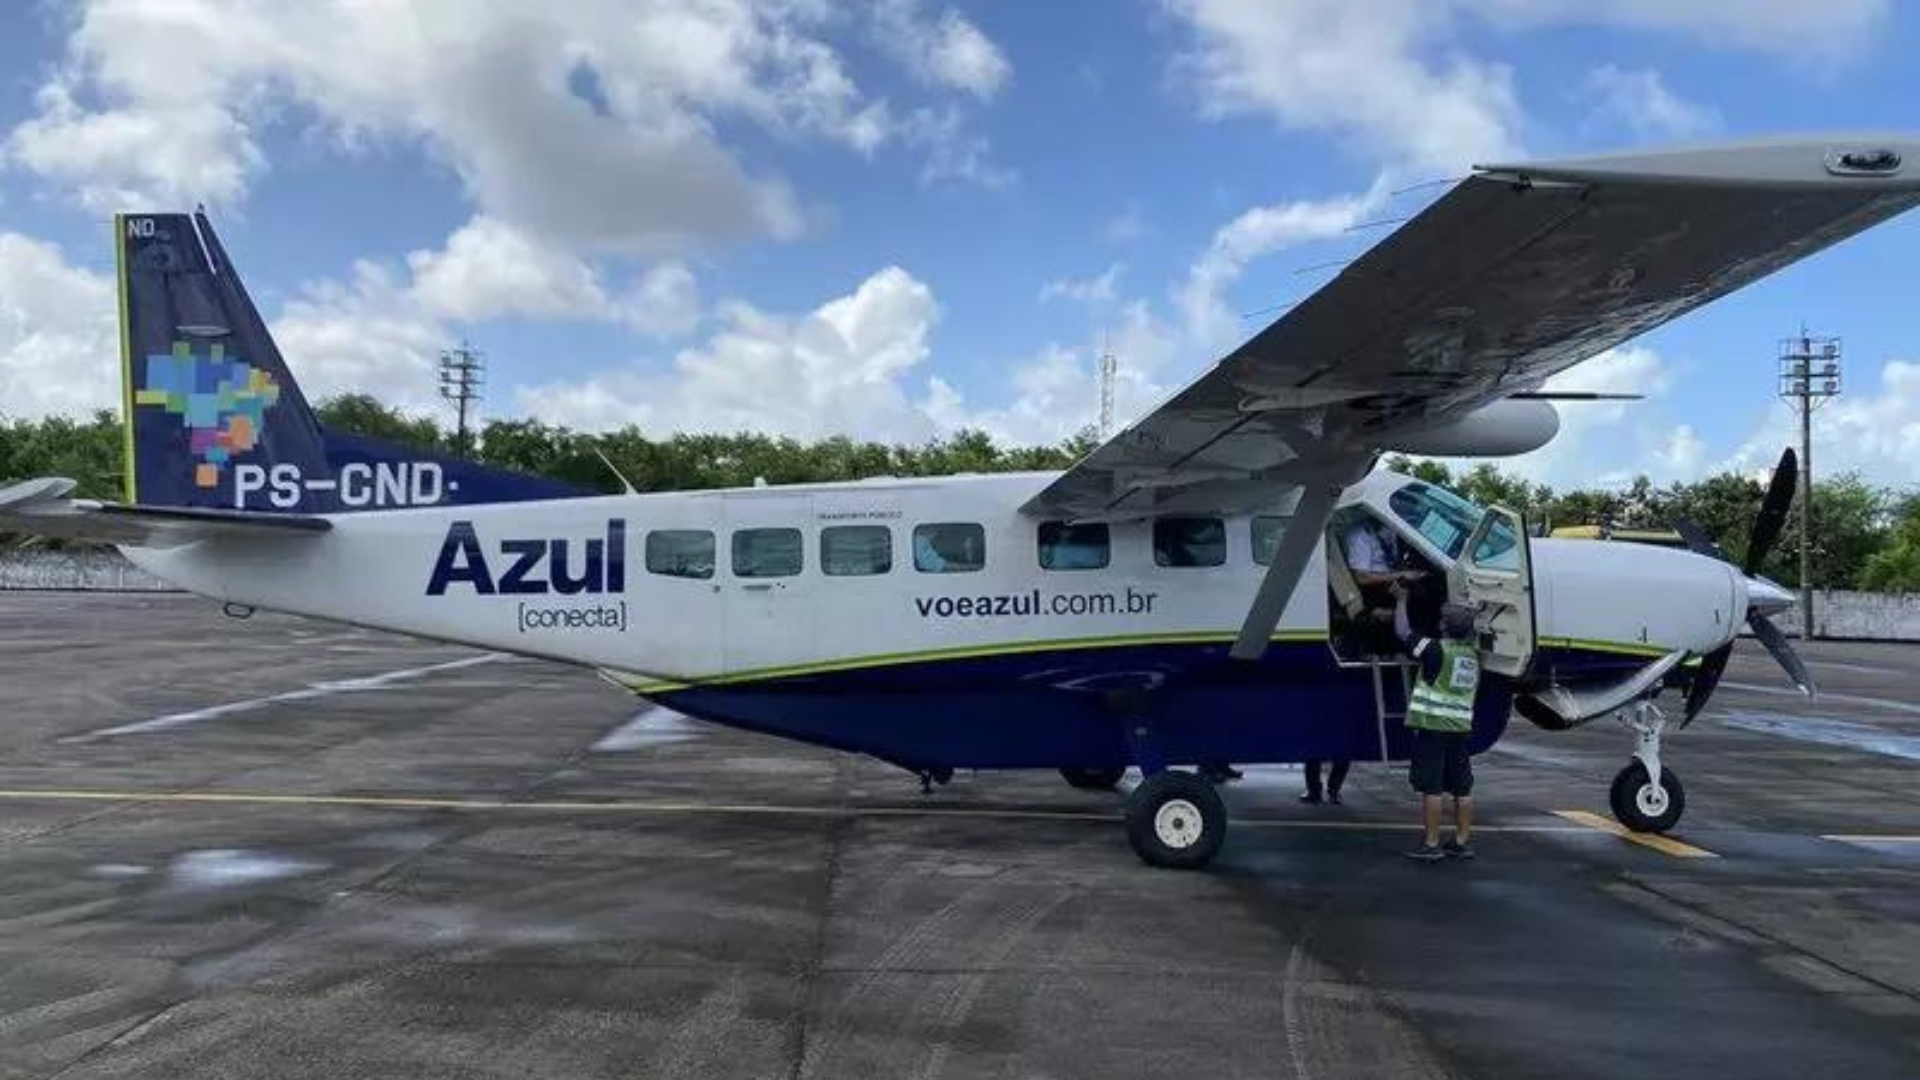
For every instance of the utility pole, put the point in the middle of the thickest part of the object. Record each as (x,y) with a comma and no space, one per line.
(462,373)
(1809,375)
(1109,369)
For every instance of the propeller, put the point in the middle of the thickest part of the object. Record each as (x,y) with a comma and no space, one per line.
(1767,525)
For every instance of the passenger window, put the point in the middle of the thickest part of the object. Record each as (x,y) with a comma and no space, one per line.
(855,550)
(1189,541)
(684,553)
(949,548)
(1065,546)
(1267,531)
(764,553)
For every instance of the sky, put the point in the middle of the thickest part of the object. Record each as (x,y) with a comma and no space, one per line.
(897,218)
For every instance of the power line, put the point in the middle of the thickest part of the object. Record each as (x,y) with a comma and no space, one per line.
(1809,374)
(462,374)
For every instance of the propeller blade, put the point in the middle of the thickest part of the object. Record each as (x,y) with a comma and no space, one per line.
(1698,540)
(1773,512)
(1777,644)
(1705,680)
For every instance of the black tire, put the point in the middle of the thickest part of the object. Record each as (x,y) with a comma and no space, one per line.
(1637,811)
(1093,779)
(1176,820)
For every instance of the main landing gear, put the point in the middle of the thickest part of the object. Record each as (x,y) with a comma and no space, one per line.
(1176,820)
(1647,797)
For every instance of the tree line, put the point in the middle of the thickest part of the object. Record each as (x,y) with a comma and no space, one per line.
(1865,537)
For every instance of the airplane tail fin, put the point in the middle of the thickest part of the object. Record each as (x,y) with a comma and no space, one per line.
(214,418)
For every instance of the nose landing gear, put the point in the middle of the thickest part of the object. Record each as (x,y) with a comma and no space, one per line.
(1176,820)
(1645,796)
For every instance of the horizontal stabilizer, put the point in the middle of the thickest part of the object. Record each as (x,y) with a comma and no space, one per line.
(41,508)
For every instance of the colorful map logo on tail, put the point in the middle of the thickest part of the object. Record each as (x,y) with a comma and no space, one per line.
(221,401)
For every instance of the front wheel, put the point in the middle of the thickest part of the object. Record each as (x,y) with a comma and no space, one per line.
(1176,820)
(1093,779)
(1643,806)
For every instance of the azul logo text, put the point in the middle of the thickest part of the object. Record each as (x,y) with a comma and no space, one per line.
(357,484)
(531,566)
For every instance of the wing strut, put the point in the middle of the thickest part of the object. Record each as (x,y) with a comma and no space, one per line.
(1296,547)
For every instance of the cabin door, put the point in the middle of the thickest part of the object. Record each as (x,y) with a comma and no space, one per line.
(768,573)
(1494,575)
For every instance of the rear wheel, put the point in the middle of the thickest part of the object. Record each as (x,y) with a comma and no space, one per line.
(1176,820)
(1643,806)
(1093,779)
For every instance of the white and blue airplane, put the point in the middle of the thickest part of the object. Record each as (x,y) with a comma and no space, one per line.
(1173,599)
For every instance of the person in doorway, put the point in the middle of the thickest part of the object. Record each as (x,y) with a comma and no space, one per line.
(1336,776)
(1374,558)
(1440,715)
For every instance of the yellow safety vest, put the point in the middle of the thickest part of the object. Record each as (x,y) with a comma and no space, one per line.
(1446,703)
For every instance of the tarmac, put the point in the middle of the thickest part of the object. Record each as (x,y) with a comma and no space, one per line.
(277,848)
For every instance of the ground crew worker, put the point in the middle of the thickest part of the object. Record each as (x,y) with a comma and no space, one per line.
(1440,715)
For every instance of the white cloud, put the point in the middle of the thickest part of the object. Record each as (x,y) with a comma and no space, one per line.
(1093,290)
(665,302)
(59,338)
(490,268)
(954,152)
(1792,27)
(1874,431)
(949,51)
(594,124)
(1640,101)
(841,368)
(368,334)
(1371,74)
(1253,235)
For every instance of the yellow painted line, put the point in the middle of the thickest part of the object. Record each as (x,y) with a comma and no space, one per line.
(634,806)
(1665,844)
(643,685)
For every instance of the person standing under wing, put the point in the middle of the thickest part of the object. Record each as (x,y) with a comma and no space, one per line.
(1440,715)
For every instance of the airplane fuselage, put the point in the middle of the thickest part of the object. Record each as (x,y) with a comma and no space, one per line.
(914,619)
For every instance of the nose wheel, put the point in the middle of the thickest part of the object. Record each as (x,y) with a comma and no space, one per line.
(1647,797)
(1176,820)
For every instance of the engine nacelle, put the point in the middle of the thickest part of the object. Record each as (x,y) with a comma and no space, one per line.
(1498,429)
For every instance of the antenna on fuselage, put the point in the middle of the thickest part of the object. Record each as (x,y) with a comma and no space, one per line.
(615,470)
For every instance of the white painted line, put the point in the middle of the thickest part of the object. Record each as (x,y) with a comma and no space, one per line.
(1845,699)
(650,727)
(312,692)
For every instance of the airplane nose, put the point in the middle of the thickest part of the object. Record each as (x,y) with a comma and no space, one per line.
(1767,597)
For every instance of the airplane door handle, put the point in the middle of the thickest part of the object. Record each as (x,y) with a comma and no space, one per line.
(758,586)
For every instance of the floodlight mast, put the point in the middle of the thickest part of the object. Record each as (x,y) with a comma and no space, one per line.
(1809,375)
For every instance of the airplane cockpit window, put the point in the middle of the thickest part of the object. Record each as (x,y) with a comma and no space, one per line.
(684,553)
(1067,546)
(951,547)
(765,553)
(1443,518)
(1189,541)
(1267,531)
(855,550)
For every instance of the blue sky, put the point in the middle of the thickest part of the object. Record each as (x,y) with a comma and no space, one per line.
(893,218)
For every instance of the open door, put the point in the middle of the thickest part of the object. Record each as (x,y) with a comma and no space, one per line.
(1494,575)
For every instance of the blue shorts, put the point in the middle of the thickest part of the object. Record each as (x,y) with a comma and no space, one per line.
(1440,765)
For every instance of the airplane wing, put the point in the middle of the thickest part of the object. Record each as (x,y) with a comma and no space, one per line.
(42,508)
(1518,272)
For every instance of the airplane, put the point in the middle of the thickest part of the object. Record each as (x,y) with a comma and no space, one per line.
(1178,598)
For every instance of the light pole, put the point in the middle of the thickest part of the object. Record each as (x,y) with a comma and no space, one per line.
(1809,375)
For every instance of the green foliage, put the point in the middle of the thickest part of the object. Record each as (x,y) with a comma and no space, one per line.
(1896,566)
(362,414)
(91,453)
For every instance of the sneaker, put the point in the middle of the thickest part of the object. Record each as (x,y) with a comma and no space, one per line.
(1457,850)
(1311,798)
(1425,853)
